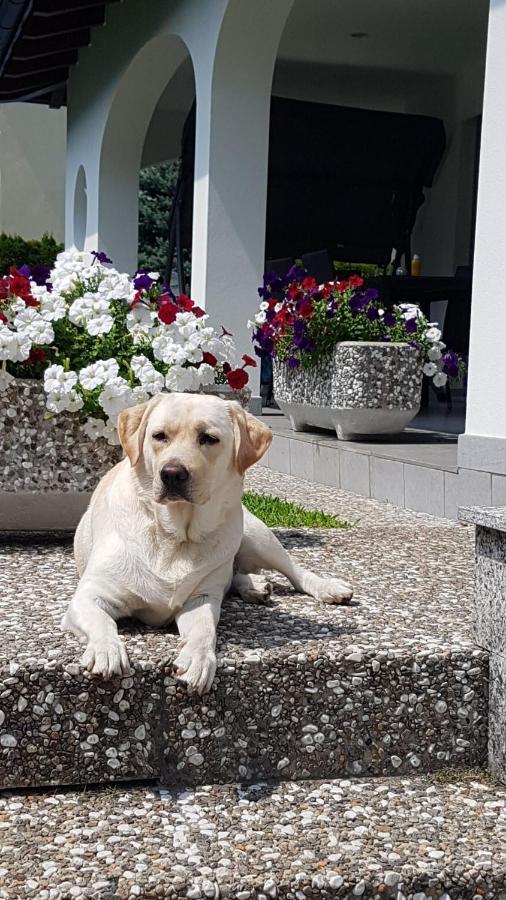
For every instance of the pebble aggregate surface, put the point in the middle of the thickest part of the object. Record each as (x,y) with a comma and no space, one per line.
(391,684)
(402,838)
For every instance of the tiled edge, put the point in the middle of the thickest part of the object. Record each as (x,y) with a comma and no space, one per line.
(468,488)
(387,480)
(498,490)
(424,490)
(301,459)
(327,466)
(355,472)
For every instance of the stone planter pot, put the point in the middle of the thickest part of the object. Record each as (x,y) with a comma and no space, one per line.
(361,389)
(48,467)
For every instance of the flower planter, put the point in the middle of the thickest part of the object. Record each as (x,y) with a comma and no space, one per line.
(361,389)
(49,467)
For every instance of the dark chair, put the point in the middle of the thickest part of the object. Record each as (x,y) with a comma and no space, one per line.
(279,266)
(319,264)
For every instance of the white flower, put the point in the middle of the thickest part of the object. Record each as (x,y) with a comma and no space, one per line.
(250,324)
(94,428)
(98,373)
(440,379)
(433,334)
(260,318)
(264,305)
(6,342)
(57,379)
(193,354)
(410,311)
(140,319)
(110,433)
(154,275)
(151,380)
(430,369)
(140,395)
(206,374)
(182,379)
(61,400)
(434,353)
(52,307)
(30,323)
(116,395)
(93,312)
(167,351)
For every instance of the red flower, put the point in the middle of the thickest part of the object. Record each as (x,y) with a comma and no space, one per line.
(342,286)
(185,303)
(306,310)
(36,355)
(167,312)
(198,312)
(226,368)
(356,281)
(210,359)
(237,378)
(136,299)
(294,290)
(249,361)
(20,287)
(309,283)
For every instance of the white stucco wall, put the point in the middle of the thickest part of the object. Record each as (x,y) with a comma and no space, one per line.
(32,170)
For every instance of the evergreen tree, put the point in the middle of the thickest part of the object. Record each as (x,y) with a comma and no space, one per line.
(157,186)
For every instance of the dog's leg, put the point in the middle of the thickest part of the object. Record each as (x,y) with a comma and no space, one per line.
(251,588)
(196,661)
(92,616)
(260,549)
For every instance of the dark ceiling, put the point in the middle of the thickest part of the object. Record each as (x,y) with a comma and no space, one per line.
(39,42)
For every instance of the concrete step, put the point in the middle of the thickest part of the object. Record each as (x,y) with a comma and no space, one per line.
(389,685)
(404,838)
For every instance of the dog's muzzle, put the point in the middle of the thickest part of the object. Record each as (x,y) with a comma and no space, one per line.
(175,479)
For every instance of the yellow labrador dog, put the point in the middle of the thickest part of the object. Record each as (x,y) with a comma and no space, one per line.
(165,535)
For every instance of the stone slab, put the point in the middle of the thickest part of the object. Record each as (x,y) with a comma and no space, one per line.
(493,517)
(381,839)
(392,683)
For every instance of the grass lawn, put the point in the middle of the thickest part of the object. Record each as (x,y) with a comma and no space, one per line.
(282,514)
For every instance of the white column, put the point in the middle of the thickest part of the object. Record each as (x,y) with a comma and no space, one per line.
(231,156)
(483,446)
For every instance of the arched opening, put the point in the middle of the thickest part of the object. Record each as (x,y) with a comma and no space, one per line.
(121,158)
(166,182)
(381,110)
(80,209)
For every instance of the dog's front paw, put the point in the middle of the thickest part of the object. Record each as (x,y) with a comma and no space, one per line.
(106,658)
(334,591)
(196,666)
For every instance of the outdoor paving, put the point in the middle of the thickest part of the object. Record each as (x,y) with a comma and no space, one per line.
(391,684)
(408,839)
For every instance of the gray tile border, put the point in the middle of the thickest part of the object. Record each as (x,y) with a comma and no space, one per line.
(424,490)
(468,488)
(354,469)
(387,480)
(499,490)
(279,455)
(327,465)
(483,453)
(302,459)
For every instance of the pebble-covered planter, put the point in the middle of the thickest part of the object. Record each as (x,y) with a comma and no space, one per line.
(49,466)
(361,389)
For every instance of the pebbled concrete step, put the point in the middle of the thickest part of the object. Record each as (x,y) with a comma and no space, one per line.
(389,685)
(403,838)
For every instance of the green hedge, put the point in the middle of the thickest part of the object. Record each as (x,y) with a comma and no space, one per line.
(15,251)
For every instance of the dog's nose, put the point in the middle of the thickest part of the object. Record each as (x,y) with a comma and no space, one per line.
(174,475)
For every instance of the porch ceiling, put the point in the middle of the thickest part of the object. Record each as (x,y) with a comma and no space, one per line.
(428,36)
(39,41)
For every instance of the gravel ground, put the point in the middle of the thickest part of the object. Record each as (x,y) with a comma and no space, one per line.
(408,839)
(390,684)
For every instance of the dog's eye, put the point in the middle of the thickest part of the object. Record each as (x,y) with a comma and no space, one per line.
(207,439)
(159,436)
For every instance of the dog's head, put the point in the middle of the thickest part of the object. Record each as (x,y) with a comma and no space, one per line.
(186,447)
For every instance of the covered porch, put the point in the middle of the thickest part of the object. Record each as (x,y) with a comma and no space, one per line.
(128,100)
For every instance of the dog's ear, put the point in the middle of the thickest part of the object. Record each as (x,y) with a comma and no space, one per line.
(132,428)
(252,437)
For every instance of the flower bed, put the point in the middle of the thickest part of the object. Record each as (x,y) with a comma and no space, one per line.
(101,340)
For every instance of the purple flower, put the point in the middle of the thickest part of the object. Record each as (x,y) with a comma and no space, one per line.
(414,344)
(386,338)
(25,270)
(389,319)
(142,282)
(371,294)
(410,326)
(293,362)
(451,364)
(357,303)
(40,274)
(372,313)
(101,257)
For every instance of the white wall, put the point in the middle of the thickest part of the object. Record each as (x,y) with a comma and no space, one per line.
(32,170)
